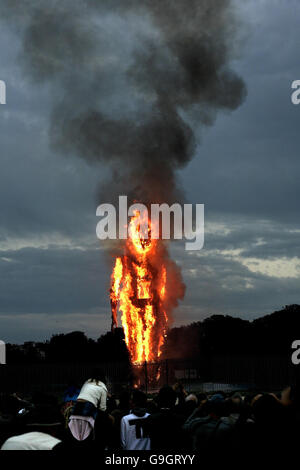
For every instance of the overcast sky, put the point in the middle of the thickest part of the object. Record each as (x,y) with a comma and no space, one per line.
(54,273)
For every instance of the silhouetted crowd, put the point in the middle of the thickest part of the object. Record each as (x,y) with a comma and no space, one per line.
(171,421)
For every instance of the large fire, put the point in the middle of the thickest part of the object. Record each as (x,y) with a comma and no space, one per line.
(139,292)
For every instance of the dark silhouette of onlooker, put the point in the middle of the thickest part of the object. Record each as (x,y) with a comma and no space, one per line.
(165,426)
(189,405)
(212,431)
(121,410)
(268,414)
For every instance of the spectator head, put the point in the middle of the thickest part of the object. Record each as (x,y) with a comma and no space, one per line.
(202,397)
(286,396)
(111,404)
(232,406)
(151,406)
(166,397)
(138,399)
(266,409)
(216,405)
(190,403)
(236,398)
(290,396)
(192,397)
(216,398)
(98,375)
(255,398)
(179,387)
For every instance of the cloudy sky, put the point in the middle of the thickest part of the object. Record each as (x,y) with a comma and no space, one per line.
(55,273)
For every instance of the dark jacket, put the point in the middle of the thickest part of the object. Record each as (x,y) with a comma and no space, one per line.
(165,430)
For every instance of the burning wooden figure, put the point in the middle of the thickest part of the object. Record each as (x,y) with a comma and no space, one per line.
(139,291)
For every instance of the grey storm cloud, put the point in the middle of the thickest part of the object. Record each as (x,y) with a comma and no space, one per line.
(221,285)
(49,280)
(258,238)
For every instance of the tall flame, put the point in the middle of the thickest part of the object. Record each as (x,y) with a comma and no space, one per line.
(138,291)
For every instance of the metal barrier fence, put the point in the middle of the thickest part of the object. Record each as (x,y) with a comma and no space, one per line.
(219,373)
(208,374)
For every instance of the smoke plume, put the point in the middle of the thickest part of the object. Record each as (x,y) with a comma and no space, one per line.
(131,80)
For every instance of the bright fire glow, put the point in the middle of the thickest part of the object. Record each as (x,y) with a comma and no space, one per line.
(138,291)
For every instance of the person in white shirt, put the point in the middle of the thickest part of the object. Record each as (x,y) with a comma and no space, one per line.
(95,392)
(31,441)
(132,434)
(44,425)
(91,399)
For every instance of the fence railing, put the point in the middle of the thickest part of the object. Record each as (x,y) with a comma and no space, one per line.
(218,372)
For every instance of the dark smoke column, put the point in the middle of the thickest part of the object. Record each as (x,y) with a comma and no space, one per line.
(131,82)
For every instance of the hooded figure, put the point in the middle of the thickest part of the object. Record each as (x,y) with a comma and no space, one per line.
(132,433)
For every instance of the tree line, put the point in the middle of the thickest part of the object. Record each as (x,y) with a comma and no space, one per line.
(215,335)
